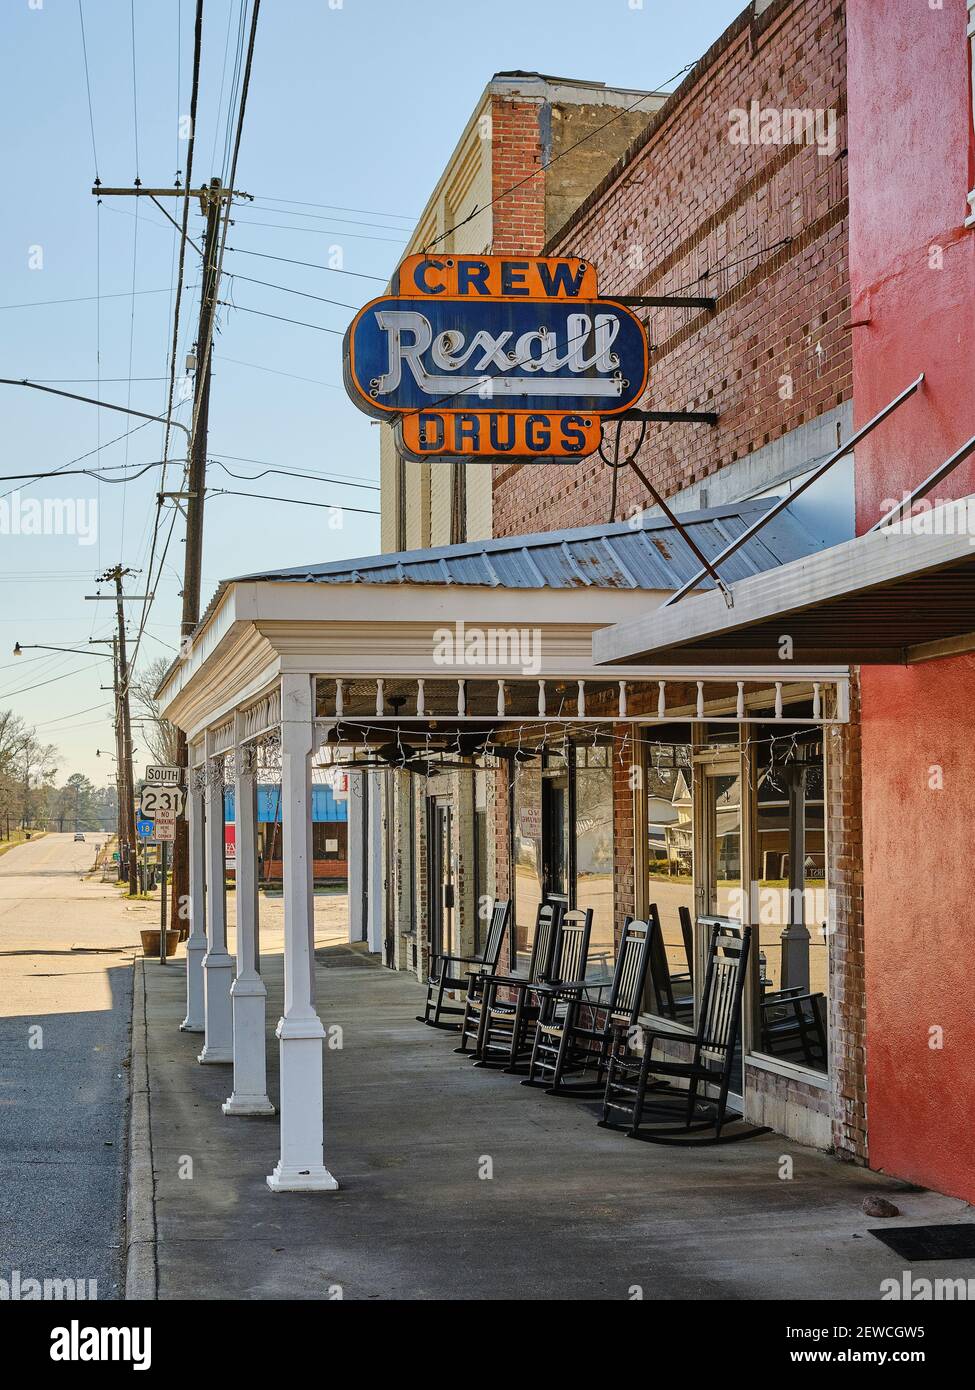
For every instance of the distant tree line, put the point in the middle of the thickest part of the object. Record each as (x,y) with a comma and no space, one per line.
(31,794)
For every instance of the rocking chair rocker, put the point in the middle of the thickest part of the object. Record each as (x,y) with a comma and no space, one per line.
(447,973)
(710,1064)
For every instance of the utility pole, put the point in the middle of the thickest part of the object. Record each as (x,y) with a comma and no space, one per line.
(123,821)
(124,722)
(213,199)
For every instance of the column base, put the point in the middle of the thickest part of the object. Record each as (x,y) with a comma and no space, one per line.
(247,1105)
(215,1054)
(191,1026)
(301,1180)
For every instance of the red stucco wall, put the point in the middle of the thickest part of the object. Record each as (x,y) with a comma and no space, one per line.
(912,275)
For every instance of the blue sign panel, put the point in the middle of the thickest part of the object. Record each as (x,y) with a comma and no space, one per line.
(145,828)
(407,354)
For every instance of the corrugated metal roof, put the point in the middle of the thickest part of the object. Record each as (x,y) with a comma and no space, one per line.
(648,555)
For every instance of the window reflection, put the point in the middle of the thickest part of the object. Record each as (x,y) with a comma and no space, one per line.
(670,859)
(791,903)
(594,852)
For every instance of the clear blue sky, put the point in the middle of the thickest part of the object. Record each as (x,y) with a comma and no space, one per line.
(352,110)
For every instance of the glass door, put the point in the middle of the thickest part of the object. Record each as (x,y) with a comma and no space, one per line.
(556,869)
(721,891)
(441,880)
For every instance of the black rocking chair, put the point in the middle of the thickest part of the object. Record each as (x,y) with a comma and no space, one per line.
(447,973)
(499,1028)
(710,1064)
(574,1031)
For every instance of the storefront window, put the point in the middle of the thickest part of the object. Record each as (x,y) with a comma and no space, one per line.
(481,900)
(670,872)
(594,852)
(563,845)
(527,837)
(791,903)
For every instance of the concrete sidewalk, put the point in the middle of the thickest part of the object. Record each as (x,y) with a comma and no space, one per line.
(571,1212)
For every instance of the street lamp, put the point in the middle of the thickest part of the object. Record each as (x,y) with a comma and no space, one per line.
(40,647)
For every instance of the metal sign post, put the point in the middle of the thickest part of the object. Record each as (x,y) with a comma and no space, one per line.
(163,862)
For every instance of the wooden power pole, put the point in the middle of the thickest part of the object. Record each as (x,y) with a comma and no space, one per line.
(213,199)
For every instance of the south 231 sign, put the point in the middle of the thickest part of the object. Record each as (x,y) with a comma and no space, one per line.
(495,355)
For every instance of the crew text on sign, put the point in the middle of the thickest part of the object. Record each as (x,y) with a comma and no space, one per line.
(488,356)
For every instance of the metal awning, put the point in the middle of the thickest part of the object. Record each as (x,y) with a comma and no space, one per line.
(896,595)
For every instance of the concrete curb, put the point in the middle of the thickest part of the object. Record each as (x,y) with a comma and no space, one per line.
(140,1223)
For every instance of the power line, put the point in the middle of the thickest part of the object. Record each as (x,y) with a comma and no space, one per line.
(135,91)
(296,501)
(256,366)
(320,217)
(341,304)
(91,114)
(243,458)
(291,473)
(117,440)
(243,308)
(369,212)
(547,164)
(321,231)
(84,472)
(85,298)
(311,265)
(24,690)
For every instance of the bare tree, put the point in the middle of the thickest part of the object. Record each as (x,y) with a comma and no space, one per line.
(161,736)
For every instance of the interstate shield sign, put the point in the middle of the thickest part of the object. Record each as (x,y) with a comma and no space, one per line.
(488,356)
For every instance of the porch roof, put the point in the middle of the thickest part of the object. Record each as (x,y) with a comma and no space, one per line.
(380,614)
(648,553)
(898,594)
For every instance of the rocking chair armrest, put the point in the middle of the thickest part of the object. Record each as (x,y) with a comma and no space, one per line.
(448,960)
(575,987)
(509,981)
(652,1034)
(784,997)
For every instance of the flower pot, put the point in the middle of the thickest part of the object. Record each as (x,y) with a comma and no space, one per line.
(150,942)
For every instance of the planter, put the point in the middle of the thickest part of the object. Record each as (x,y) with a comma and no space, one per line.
(150,942)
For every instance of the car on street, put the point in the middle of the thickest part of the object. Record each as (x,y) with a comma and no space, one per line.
(79,836)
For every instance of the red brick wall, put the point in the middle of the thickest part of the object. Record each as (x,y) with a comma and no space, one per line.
(518,216)
(693,212)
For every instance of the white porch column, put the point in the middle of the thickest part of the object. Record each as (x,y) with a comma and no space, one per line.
(375,927)
(196,942)
(218,964)
(248,992)
(301,1166)
(357,803)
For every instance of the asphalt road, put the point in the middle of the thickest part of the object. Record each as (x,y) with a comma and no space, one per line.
(66,948)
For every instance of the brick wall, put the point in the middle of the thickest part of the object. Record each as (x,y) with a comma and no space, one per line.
(519,216)
(847,1031)
(762,228)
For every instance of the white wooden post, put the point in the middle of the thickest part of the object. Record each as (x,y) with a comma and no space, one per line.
(196,943)
(375,923)
(357,804)
(248,993)
(218,964)
(301,1167)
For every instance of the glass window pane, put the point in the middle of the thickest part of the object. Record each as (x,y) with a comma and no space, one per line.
(792,905)
(670,865)
(527,834)
(594,859)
